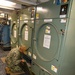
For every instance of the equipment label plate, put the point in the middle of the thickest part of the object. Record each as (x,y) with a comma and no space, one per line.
(47,40)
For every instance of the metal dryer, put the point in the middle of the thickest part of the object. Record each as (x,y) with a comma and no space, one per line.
(14,30)
(26,28)
(54,46)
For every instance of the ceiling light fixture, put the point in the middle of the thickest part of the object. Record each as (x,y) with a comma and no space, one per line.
(5,7)
(7,3)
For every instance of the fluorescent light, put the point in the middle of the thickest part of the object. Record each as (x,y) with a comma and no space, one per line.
(7,3)
(42,9)
(39,8)
(2,14)
(5,7)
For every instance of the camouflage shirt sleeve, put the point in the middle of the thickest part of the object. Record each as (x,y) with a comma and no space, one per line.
(16,57)
(13,58)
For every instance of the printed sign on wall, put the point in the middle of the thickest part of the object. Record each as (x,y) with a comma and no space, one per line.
(26,35)
(47,40)
(15,33)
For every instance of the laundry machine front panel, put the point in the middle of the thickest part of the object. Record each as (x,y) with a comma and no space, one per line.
(47,44)
(14,34)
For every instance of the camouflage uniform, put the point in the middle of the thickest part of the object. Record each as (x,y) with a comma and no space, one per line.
(13,59)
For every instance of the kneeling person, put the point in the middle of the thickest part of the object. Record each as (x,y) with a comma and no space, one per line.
(13,59)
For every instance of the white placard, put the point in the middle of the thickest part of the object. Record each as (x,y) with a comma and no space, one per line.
(53,68)
(26,21)
(26,35)
(15,33)
(63,20)
(62,16)
(29,53)
(47,40)
(34,56)
(47,31)
(48,20)
(47,27)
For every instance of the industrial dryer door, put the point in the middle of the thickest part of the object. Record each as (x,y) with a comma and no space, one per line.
(25,34)
(25,37)
(14,35)
(47,46)
(47,41)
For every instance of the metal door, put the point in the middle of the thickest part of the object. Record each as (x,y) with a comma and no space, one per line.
(25,35)
(14,34)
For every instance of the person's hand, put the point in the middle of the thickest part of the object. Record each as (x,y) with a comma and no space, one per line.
(23,60)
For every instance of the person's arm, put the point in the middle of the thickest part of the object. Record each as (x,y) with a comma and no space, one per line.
(16,58)
(8,59)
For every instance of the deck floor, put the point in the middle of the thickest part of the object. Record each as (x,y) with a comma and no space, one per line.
(2,64)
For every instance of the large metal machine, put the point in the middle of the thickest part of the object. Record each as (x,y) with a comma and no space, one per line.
(54,46)
(14,35)
(14,30)
(5,34)
(6,37)
(51,45)
(26,29)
